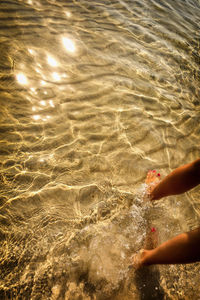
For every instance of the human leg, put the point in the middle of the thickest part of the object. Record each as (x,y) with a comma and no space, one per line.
(184,248)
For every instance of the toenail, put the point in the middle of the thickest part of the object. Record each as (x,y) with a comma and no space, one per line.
(153,229)
(154,171)
(158,174)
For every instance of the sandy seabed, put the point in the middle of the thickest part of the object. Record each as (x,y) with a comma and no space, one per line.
(92,96)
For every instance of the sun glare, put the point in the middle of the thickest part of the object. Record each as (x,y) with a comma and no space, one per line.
(56,76)
(42,82)
(51,61)
(36,117)
(51,103)
(68,14)
(22,78)
(43,102)
(68,44)
(31,51)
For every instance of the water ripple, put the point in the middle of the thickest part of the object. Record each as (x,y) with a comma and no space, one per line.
(92,96)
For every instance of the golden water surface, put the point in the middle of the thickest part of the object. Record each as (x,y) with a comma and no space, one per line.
(93,94)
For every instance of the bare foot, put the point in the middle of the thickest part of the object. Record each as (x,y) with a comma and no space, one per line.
(137,259)
(152,180)
(151,240)
(140,259)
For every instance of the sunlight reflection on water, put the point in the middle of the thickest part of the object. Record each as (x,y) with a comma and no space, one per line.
(94,94)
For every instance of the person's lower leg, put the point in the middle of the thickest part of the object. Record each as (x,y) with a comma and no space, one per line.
(184,248)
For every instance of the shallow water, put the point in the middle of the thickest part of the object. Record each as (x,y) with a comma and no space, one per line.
(93,94)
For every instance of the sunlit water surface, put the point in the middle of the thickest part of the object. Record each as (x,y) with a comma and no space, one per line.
(93,94)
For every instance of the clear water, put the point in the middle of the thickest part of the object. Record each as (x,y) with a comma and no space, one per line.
(93,94)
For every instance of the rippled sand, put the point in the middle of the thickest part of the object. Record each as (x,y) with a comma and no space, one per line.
(93,94)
